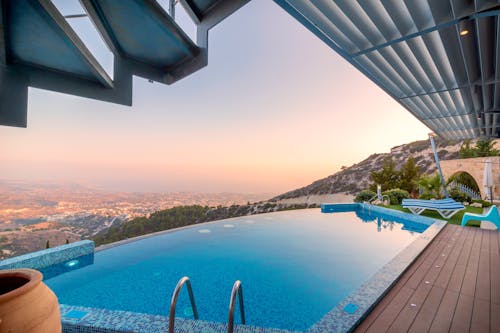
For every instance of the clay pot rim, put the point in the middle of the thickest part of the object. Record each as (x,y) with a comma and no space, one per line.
(34,278)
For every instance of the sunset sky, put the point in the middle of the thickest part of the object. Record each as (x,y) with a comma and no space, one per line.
(274,110)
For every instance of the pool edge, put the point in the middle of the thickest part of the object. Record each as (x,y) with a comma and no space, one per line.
(167,231)
(370,293)
(80,319)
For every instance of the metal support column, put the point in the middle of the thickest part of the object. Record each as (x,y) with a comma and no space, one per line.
(436,157)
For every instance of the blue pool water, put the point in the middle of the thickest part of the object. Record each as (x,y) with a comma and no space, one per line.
(295,266)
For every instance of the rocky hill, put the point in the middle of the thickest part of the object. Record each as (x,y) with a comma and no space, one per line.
(355,178)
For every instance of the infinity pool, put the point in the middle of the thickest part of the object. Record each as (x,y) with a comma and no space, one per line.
(294,266)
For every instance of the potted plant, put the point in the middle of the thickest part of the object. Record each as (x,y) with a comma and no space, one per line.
(27,305)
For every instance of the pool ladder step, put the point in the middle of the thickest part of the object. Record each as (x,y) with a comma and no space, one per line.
(237,291)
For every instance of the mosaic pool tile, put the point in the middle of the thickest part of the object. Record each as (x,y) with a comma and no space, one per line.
(351,308)
(75,314)
(48,257)
(109,321)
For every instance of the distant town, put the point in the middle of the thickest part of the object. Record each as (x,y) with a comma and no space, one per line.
(34,216)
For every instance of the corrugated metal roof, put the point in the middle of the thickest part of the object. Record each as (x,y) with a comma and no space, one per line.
(438,58)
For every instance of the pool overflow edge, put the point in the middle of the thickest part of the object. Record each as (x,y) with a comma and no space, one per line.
(49,257)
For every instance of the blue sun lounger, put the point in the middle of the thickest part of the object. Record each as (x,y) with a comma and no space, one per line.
(445,207)
(437,201)
(490,216)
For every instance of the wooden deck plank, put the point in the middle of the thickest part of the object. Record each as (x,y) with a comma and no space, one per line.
(495,267)
(453,256)
(452,271)
(444,314)
(463,314)
(480,321)
(386,318)
(469,282)
(419,274)
(483,275)
(498,238)
(457,277)
(462,294)
(495,318)
(406,316)
(425,316)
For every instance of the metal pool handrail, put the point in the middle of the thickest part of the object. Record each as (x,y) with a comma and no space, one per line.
(173,302)
(237,291)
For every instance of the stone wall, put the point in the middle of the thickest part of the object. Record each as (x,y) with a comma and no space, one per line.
(475,168)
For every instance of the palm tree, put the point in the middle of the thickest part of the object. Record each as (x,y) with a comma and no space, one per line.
(431,185)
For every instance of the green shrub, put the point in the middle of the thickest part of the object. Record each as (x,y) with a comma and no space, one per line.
(364,195)
(396,196)
(459,196)
(426,196)
(482,202)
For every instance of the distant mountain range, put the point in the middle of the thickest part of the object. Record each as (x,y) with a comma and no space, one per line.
(351,180)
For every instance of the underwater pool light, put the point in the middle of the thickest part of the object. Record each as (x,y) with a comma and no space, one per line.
(72,263)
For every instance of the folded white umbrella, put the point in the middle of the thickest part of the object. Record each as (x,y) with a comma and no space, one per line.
(488,179)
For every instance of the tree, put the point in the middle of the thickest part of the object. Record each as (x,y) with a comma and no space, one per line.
(485,147)
(47,244)
(431,185)
(409,175)
(466,151)
(387,178)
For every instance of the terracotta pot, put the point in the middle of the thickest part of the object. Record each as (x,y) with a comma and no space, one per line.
(27,305)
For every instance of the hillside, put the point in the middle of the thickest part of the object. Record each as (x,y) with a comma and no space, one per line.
(182,216)
(351,180)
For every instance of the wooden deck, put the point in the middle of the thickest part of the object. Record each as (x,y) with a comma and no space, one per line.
(454,286)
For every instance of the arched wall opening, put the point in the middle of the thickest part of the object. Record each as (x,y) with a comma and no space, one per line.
(465,179)
(475,168)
